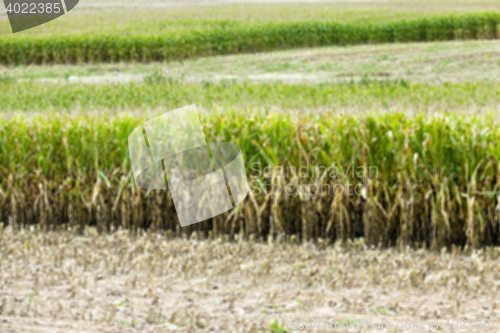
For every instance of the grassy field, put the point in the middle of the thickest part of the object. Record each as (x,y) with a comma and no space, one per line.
(430,63)
(458,77)
(57,282)
(149,98)
(126,17)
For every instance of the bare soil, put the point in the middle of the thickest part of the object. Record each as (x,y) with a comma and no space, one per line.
(59,282)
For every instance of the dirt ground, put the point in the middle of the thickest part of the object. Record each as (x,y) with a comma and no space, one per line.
(59,282)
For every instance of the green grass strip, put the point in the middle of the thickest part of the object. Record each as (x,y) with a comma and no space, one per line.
(361,96)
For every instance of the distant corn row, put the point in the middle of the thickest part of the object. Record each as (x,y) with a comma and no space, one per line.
(217,41)
(428,179)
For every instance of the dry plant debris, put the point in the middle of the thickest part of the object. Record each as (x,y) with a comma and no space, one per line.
(60,282)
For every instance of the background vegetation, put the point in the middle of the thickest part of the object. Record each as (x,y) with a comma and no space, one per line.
(219,39)
(436,181)
(63,144)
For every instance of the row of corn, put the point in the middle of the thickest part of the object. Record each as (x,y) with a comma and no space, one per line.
(32,49)
(390,178)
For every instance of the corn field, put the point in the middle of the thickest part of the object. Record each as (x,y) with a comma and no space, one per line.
(436,179)
(219,40)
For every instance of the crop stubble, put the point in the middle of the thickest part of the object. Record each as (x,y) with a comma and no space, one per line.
(61,282)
